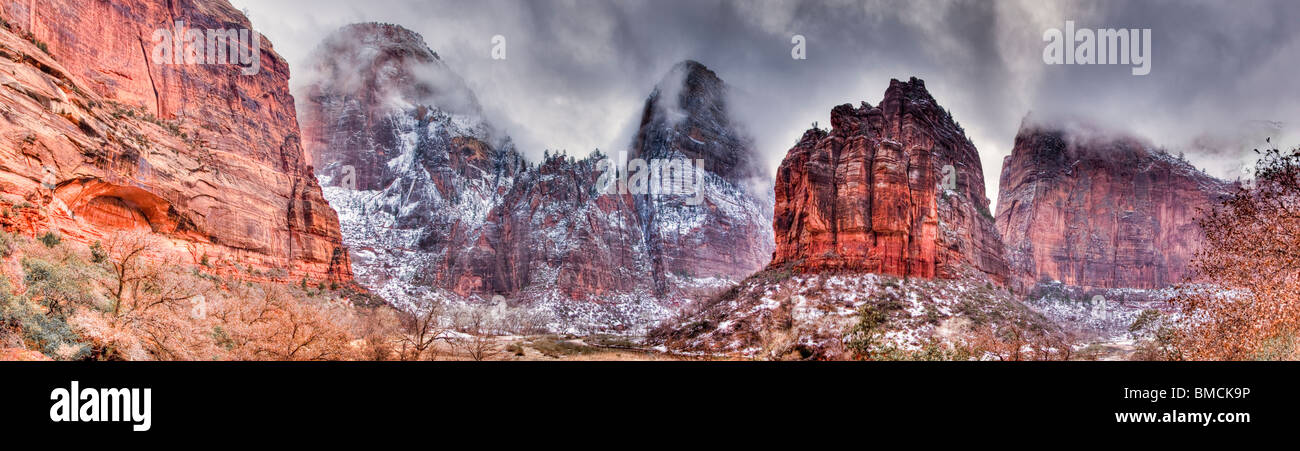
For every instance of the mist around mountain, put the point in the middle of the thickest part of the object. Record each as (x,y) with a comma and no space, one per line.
(438,207)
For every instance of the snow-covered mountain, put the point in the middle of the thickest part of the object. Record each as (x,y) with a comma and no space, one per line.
(399,143)
(437,206)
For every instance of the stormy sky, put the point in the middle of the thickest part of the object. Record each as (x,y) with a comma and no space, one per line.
(1223,73)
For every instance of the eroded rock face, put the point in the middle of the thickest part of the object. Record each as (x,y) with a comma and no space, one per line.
(1095,210)
(870,195)
(101,138)
(554,231)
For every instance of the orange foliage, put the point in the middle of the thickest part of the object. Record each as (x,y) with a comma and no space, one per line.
(1247,303)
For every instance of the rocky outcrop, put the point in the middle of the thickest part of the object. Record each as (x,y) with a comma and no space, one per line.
(1094,209)
(892,189)
(100,137)
(553,231)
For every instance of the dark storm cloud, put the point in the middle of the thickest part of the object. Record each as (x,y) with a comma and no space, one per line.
(578,71)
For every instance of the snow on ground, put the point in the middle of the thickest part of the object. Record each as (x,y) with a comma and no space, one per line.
(816,311)
(1103,316)
(387,229)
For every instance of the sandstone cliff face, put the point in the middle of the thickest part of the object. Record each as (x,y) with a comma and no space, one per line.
(869,195)
(437,204)
(203,154)
(1096,211)
(553,231)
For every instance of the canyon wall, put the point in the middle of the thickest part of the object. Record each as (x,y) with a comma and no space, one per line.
(98,137)
(1094,209)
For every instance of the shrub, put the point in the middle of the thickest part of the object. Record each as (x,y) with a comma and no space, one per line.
(864,338)
(50,239)
(1144,321)
(60,286)
(7,244)
(50,333)
(555,347)
(97,253)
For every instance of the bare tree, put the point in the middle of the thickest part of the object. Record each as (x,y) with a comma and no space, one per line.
(138,279)
(378,326)
(150,298)
(288,329)
(421,330)
(477,341)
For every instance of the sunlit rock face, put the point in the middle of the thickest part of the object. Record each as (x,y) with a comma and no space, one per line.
(893,189)
(1094,209)
(101,137)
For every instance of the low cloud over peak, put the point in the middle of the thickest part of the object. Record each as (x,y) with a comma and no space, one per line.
(576,73)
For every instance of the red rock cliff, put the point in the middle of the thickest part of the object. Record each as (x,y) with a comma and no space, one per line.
(203,154)
(869,196)
(1090,209)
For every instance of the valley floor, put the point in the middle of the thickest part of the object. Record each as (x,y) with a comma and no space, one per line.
(556,348)
(552,348)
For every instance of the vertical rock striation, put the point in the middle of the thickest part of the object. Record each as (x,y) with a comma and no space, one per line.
(1096,210)
(870,194)
(201,153)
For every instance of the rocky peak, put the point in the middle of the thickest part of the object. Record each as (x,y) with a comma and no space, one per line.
(894,189)
(686,116)
(911,90)
(692,90)
(384,63)
(726,233)
(408,161)
(369,87)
